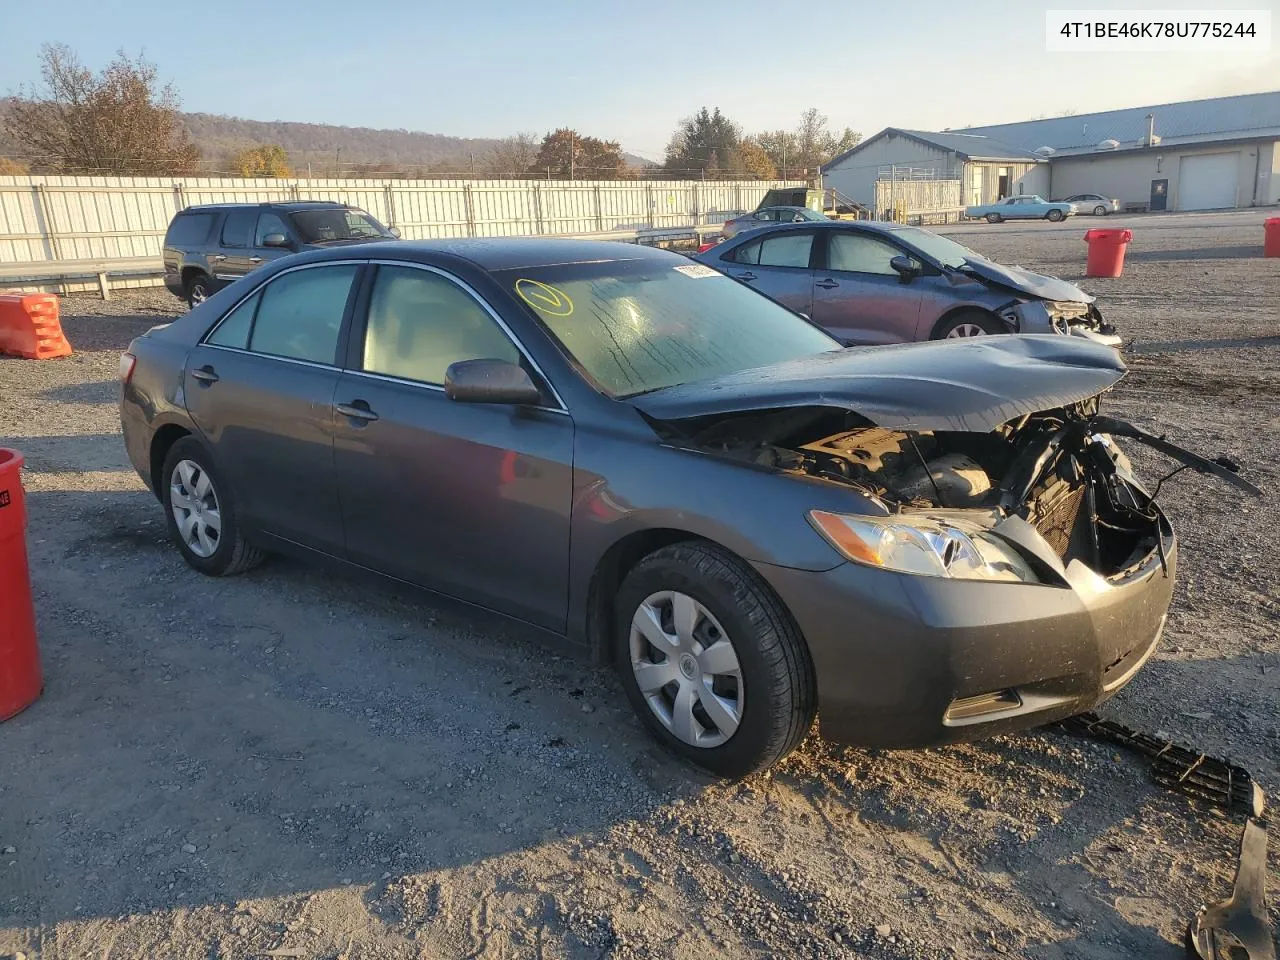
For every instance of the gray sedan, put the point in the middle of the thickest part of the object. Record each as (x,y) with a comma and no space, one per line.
(657,466)
(867,283)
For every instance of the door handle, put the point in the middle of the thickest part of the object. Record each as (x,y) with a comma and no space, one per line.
(827,284)
(218,256)
(747,276)
(206,375)
(356,410)
(255,259)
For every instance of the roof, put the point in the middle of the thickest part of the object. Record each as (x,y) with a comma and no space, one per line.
(278,204)
(969,146)
(505,253)
(1187,121)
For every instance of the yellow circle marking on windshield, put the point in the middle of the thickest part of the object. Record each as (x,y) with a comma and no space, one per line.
(544,297)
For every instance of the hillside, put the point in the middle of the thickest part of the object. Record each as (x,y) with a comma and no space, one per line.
(355,150)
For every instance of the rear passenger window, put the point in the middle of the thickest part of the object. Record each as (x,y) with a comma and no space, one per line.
(301,314)
(237,230)
(188,229)
(233,331)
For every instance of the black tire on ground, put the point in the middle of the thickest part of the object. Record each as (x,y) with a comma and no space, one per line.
(994,218)
(1053,216)
(979,318)
(233,554)
(778,688)
(1100,211)
(199,289)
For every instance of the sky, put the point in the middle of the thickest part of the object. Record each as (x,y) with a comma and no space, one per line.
(624,71)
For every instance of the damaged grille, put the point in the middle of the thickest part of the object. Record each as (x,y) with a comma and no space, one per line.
(1057,513)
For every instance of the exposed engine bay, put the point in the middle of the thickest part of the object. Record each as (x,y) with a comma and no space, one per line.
(1056,470)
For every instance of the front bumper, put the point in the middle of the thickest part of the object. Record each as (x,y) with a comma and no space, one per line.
(909,661)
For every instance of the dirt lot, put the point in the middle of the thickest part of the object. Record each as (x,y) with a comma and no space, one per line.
(293,764)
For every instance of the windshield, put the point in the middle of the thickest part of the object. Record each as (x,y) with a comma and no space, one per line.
(337,223)
(947,252)
(633,326)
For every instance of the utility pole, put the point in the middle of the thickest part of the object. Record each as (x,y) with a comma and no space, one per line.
(570,154)
(784,158)
(472,155)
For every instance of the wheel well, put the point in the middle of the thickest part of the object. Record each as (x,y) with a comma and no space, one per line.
(164,439)
(954,312)
(608,576)
(188,273)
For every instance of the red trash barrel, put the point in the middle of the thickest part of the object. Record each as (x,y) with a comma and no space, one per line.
(1106,252)
(1271,237)
(20,680)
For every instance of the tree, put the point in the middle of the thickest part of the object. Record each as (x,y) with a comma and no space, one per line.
(707,143)
(13,168)
(513,156)
(802,152)
(567,155)
(117,122)
(781,148)
(264,161)
(755,160)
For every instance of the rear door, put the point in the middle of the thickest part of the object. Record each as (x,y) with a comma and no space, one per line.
(779,265)
(857,296)
(471,499)
(260,389)
(230,261)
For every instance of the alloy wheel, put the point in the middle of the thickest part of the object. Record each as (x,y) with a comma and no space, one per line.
(687,669)
(194,503)
(966,330)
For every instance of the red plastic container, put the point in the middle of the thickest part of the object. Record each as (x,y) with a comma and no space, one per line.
(1106,252)
(1271,237)
(20,680)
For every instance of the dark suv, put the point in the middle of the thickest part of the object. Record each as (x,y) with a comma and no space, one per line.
(208,247)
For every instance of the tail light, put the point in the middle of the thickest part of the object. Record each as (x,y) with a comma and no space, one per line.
(127,362)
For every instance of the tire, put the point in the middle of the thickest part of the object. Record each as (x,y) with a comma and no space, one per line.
(1100,211)
(967,323)
(774,690)
(994,218)
(189,471)
(1054,216)
(199,289)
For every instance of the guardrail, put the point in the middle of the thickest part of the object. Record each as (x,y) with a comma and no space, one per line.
(61,273)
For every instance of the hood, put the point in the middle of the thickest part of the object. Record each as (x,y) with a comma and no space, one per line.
(1026,282)
(973,384)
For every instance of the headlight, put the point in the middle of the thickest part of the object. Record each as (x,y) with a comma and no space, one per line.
(923,545)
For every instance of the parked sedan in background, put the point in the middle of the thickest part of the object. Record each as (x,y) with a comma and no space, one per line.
(867,282)
(768,215)
(1093,204)
(633,452)
(1022,208)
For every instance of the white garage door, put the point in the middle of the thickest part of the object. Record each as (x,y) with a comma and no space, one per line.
(1208,182)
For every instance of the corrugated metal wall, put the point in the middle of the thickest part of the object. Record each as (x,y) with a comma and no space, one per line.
(109,218)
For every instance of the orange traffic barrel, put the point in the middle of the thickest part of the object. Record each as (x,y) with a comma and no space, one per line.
(20,680)
(29,326)
(1106,252)
(1271,237)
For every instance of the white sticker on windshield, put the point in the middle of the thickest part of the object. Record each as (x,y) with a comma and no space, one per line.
(696,270)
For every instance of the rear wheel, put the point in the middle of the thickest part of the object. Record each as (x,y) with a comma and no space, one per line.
(1054,216)
(967,323)
(711,661)
(201,513)
(994,218)
(199,289)
(1099,211)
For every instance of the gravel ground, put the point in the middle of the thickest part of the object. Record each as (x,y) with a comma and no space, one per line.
(294,764)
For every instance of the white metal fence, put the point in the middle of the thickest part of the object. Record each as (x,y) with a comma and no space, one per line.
(52,220)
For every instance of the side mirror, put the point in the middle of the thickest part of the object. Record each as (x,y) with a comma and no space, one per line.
(907,268)
(394,231)
(275,240)
(489,381)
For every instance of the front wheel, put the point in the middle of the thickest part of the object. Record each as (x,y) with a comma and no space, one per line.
(199,289)
(201,513)
(1053,216)
(1100,211)
(967,323)
(994,218)
(711,661)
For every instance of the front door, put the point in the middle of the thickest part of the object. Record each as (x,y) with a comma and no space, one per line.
(231,260)
(260,389)
(858,297)
(469,499)
(1159,195)
(778,265)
